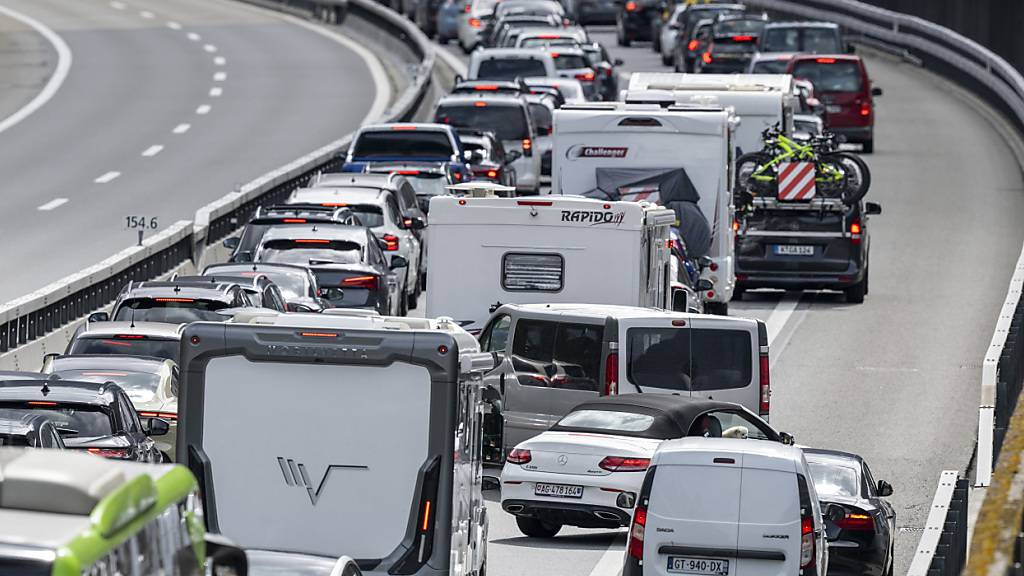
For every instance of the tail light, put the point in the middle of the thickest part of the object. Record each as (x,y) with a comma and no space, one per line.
(109,452)
(706,57)
(474,22)
(855,232)
(693,45)
(609,71)
(492,173)
(164,415)
(742,38)
(636,533)
(857,522)
(527,147)
(631,6)
(390,242)
(865,109)
(586,76)
(826,60)
(764,406)
(620,464)
(611,374)
(366,282)
(423,545)
(468,8)
(519,456)
(806,542)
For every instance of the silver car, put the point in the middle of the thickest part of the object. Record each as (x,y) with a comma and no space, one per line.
(473,21)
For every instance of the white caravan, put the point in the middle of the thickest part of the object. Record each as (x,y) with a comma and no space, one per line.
(489,251)
(760,100)
(678,156)
(339,433)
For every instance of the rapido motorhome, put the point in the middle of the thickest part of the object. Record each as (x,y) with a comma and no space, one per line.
(488,251)
(678,156)
(339,433)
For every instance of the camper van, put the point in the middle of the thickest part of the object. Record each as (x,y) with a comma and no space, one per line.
(342,433)
(489,251)
(760,100)
(677,156)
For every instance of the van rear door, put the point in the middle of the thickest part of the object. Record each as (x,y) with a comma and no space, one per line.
(769,519)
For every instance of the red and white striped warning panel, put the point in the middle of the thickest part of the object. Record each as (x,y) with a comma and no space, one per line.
(796,180)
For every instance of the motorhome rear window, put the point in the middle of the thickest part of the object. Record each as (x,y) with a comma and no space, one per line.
(532,272)
(403,144)
(507,121)
(691,359)
(831,75)
(510,68)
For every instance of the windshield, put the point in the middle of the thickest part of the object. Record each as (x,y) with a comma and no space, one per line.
(539,42)
(570,61)
(403,144)
(778,66)
(834,479)
(167,349)
(607,421)
(830,75)
(691,359)
(695,16)
(84,420)
(507,122)
(306,253)
(140,386)
(739,27)
(510,68)
(172,310)
(292,284)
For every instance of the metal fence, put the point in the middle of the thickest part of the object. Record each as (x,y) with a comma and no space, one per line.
(943,546)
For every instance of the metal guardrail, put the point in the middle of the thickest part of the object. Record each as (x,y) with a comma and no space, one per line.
(943,546)
(32,317)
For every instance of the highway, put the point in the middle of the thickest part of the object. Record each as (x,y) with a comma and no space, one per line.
(166,106)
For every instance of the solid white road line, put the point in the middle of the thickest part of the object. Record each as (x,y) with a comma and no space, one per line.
(53,204)
(194,37)
(117,5)
(108,177)
(146,14)
(174,25)
(220,76)
(210,48)
(181,128)
(220,61)
(55,81)
(216,91)
(152,150)
(610,563)
(781,314)
(204,109)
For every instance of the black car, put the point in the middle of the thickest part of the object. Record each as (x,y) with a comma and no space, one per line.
(94,417)
(732,45)
(633,20)
(243,245)
(297,283)
(487,156)
(604,65)
(820,244)
(861,543)
(685,50)
(174,302)
(23,429)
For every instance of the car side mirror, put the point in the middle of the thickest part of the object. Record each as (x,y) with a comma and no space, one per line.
(224,558)
(704,284)
(872,208)
(834,513)
(48,362)
(399,262)
(787,438)
(704,262)
(230,242)
(876,91)
(513,156)
(156,426)
(417,223)
(544,130)
(851,49)
(99,317)
(490,483)
(679,300)
(884,488)
(618,62)
(245,256)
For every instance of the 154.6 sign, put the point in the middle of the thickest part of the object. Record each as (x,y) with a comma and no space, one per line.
(141,223)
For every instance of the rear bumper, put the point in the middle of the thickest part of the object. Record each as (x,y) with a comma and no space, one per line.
(856,134)
(799,280)
(855,562)
(637,24)
(572,514)
(737,67)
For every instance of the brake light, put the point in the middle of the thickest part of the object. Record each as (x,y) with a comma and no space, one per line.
(403,127)
(620,464)
(367,282)
(408,172)
(742,38)
(390,242)
(492,173)
(555,55)
(857,522)
(631,6)
(865,109)
(519,456)
(693,45)
(611,374)
(474,22)
(467,9)
(586,76)
(806,542)
(826,60)
(534,202)
(318,334)
(855,232)
(130,337)
(764,406)
(407,222)
(108,452)
(42,403)
(174,300)
(735,225)
(294,220)
(706,57)
(334,204)
(480,104)
(312,241)
(548,36)
(485,87)
(636,533)
(164,415)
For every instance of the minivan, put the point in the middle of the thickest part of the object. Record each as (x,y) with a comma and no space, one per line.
(842,84)
(551,357)
(729,507)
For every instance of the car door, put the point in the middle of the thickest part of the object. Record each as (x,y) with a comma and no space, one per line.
(494,339)
(131,429)
(530,354)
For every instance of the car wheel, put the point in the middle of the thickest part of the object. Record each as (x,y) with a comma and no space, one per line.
(867,276)
(716,308)
(737,293)
(855,294)
(868,146)
(536,529)
(666,59)
(655,38)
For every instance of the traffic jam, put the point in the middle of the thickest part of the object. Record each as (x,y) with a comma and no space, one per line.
(519,308)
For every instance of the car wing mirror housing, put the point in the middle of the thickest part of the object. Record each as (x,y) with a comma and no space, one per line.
(224,557)
(230,242)
(884,488)
(872,208)
(399,262)
(156,426)
(99,317)
(704,284)
(787,438)
(876,91)
(834,513)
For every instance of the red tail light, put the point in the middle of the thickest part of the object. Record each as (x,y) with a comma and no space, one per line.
(865,109)
(742,38)
(485,87)
(492,173)
(764,406)
(367,282)
(108,452)
(164,415)
(620,464)
(518,456)
(527,147)
(294,220)
(480,104)
(408,172)
(858,522)
(806,542)
(855,232)
(636,533)
(474,22)
(706,57)
(826,60)
(693,45)
(467,9)
(390,242)
(182,300)
(631,6)
(611,374)
(585,77)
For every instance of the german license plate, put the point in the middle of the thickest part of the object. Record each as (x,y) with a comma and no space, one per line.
(794,250)
(558,490)
(833,109)
(708,566)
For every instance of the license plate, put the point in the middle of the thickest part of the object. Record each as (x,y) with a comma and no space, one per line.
(558,490)
(709,566)
(833,109)
(794,250)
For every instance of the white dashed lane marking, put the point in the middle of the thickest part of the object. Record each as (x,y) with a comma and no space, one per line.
(152,151)
(174,25)
(210,48)
(216,91)
(146,14)
(220,76)
(108,177)
(56,202)
(194,37)
(220,61)
(117,5)
(181,128)
(204,109)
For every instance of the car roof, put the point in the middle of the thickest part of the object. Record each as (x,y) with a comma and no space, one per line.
(489,97)
(761,56)
(257,268)
(802,24)
(342,194)
(252,282)
(21,375)
(682,411)
(147,364)
(150,329)
(57,390)
(602,311)
(354,180)
(183,289)
(422,126)
(428,167)
(571,50)
(487,53)
(677,451)
(350,233)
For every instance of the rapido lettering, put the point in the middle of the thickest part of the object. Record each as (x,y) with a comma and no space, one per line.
(593,217)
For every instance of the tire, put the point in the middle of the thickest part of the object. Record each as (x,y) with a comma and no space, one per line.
(655,39)
(745,165)
(621,38)
(537,529)
(867,284)
(737,293)
(666,59)
(869,148)
(855,294)
(716,308)
(858,181)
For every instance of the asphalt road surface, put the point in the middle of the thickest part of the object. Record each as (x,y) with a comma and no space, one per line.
(166,106)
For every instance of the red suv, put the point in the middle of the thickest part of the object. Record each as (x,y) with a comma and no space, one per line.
(842,83)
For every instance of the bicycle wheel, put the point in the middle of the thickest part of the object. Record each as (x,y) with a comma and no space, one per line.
(746,185)
(857,176)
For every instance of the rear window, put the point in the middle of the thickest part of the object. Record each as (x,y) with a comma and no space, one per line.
(770,67)
(507,122)
(829,75)
(695,16)
(781,40)
(570,61)
(403,144)
(557,355)
(73,420)
(834,479)
(532,272)
(309,253)
(607,421)
(429,184)
(173,310)
(536,42)
(689,359)
(739,27)
(510,68)
(821,41)
(167,349)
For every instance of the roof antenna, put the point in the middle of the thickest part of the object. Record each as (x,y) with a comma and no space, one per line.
(46,389)
(314,228)
(133,317)
(177,288)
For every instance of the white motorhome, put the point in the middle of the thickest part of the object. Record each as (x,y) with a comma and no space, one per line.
(489,251)
(678,156)
(339,433)
(760,100)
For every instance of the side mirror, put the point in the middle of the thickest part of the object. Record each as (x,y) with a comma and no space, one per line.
(876,91)
(242,257)
(618,62)
(230,242)
(544,131)
(787,438)
(224,558)
(884,488)
(490,483)
(155,426)
(704,285)
(417,223)
(48,362)
(679,301)
(399,262)
(704,261)
(851,49)
(513,156)
(99,317)
(814,103)
(872,208)
(834,513)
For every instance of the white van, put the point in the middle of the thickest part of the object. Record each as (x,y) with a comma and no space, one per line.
(488,251)
(727,507)
(679,156)
(339,433)
(760,100)
(552,357)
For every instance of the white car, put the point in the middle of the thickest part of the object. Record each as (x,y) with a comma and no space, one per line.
(472,23)
(587,470)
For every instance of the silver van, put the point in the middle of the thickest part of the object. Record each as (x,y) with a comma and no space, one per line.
(551,357)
